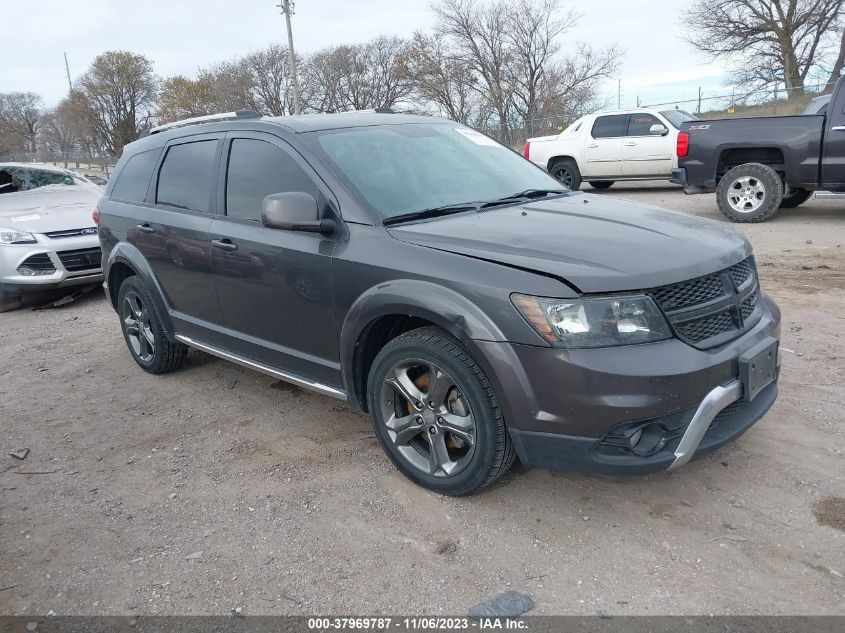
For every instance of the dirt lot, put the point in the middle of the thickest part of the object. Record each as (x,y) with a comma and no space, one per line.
(215,487)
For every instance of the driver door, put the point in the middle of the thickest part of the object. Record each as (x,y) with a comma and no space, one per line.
(644,153)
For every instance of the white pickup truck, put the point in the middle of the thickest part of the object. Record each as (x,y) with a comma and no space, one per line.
(604,147)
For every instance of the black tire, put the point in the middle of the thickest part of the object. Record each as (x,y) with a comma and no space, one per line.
(601,184)
(565,171)
(795,198)
(9,302)
(492,451)
(157,355)
(750,193)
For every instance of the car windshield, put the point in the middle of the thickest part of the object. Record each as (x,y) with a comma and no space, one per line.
(676,117)
(14,179)
(402,169)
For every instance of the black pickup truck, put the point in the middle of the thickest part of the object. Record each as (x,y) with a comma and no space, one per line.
(761,164)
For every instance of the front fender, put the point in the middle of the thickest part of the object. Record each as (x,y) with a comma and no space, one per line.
(127,254)
(444,307)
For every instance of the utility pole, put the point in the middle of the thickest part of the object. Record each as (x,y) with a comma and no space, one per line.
(619,96)
(286,7)
(67,71)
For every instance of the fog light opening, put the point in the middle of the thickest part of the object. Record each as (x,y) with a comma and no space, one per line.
(647,439)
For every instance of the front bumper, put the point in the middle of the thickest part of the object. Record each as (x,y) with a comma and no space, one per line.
(571,409)
(50,252)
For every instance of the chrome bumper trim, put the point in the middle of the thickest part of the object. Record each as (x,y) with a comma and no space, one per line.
(713,402)
(264,369)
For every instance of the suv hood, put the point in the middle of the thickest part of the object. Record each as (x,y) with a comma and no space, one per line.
(594,243)
(50,208)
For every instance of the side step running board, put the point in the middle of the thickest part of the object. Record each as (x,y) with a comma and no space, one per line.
(319,387)
(829,195)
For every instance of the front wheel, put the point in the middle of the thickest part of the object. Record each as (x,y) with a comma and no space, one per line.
(795,198)
(601,184)
(565,170)
(436,415)
(142,329)
(750,193)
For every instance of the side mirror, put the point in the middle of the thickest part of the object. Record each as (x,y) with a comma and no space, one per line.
(294,211)
(658,130)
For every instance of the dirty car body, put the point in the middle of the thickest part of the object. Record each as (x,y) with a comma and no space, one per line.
(603,336)
(48,239)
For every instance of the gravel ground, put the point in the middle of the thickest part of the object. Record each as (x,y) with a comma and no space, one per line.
(216,487)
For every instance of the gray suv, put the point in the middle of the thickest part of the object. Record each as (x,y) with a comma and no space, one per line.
(439,281)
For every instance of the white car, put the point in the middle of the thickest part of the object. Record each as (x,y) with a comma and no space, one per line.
(604,147)
(48,238)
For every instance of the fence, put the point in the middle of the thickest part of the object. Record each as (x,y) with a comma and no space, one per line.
(82,163)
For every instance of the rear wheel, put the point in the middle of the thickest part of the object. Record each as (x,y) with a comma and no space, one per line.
(143,332)
(601,184)
(566,171)
(795,198)
(436,414)
(750,193)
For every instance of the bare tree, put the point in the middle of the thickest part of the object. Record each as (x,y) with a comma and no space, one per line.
(838,65)
(182,98)
(20,120)
(443,79)
(119,92)
(62,130)
(766,40)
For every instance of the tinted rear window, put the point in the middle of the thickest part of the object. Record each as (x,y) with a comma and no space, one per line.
(135,176)
(610,126)
(186,175)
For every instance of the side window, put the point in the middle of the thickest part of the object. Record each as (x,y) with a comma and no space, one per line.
(135,176)
(257,169)
(184,180)
(611,126)
(640,124)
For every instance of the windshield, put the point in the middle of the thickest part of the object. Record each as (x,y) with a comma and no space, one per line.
(676,117)
(401,169)
(14,179)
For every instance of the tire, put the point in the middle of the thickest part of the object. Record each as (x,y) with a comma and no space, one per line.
(750,193)
(142,329)
(601,184)
(9,302)
(467,461)
(565,171)
(795,198)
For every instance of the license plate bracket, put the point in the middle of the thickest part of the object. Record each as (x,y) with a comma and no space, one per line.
(758,367)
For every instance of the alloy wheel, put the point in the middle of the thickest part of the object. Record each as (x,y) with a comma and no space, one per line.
(564,176)
(746,194)
(138,328)
(428,418)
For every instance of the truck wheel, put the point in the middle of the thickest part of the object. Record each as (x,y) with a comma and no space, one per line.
(750,193)
(566,171)
(795,198)
(9,302)
(601,184)
(436,414)
(142,329)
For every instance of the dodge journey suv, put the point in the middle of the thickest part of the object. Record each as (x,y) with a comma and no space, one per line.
(417,269)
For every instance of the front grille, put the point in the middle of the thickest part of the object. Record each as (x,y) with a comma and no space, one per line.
(41,262)
(57,235)
(713,309)
(81,259)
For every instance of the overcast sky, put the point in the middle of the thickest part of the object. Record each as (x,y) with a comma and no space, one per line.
(181,35)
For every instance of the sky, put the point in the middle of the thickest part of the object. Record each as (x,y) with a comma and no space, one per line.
(180,36)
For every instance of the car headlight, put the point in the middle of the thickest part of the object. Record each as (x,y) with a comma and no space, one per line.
(14,236)
(599,322)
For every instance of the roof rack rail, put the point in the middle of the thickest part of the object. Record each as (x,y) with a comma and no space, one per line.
(208,118)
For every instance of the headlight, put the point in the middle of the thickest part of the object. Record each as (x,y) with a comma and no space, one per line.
(603,322)
(13,236)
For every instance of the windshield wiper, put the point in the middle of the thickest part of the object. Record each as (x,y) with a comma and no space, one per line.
(447,209)
(528,193)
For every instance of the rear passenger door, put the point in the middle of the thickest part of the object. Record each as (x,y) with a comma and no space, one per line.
(644,153)
(274,286)
(171,231)
(603,151)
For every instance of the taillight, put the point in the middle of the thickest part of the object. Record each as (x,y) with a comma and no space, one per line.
(683,144)
(95,215)
(527,149)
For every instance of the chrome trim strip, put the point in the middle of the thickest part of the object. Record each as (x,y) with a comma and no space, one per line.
(264,369)
(713,402)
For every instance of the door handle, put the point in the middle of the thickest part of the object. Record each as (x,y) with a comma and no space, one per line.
(225,244)
(592,145)
(145,228)
(630,144)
